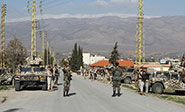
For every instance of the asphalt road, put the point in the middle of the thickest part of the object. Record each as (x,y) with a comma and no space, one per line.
(86,96)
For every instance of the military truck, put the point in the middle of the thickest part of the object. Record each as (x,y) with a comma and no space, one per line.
(128,76)
(6,77)
(167,80)
(31,75)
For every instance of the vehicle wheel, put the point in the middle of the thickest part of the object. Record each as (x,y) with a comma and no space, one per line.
(17,86)
(44,87)
(127,80)
(157,88)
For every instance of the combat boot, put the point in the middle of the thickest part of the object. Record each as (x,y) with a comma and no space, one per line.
(67,93)
(119,94)
(114,94)
(64,94)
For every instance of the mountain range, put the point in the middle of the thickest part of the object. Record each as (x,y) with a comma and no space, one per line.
(98,35)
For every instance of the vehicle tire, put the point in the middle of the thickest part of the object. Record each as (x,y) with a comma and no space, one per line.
(127,80)
(44,87)
(17,86)
(157,88)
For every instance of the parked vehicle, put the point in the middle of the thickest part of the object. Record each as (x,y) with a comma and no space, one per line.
(128,76)
(31,75)
(167,80)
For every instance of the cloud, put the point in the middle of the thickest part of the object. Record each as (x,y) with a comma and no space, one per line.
(60,16)
(123,1)
(115,2)
(102,2)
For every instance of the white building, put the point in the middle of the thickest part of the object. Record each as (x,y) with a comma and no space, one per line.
(86,58)
(90,59)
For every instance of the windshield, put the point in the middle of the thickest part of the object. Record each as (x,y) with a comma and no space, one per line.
(130,70)
(174,76)
(42,69)
(166,74)
(25,69)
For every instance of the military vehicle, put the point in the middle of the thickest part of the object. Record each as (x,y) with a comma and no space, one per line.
(31,75)
(6,77)
(167,80)
(128,76)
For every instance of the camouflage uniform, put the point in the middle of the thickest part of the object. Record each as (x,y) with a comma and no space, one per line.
(116,79)
(66,84)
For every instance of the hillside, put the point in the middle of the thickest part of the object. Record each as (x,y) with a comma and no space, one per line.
(163,34)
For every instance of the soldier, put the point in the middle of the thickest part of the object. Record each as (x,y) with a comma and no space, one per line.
(67,79)
(56,74)
(143,81)
(116,79)
(50,79)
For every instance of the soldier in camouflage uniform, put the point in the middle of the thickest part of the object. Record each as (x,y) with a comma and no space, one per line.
(67,79)
(116,79)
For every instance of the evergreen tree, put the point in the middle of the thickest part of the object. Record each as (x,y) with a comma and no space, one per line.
(80,57)
(114,54)
(76,58)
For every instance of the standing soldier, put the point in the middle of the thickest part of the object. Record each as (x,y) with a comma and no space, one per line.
(50,79)
(56,73)
(143,81)
(116,79)
(67,80)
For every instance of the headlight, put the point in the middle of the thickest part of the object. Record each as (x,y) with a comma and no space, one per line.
(153,80)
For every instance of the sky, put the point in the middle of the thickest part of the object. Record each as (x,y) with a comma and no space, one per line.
(18,8)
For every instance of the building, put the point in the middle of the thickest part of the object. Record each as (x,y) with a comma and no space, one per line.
(122,63)
(158,67)
(89,59)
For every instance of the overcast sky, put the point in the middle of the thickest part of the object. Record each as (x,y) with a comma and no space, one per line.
(18,8)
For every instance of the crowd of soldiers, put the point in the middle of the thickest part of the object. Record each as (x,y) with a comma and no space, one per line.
(113,74)
(52,79)
(53,76)
(95,73)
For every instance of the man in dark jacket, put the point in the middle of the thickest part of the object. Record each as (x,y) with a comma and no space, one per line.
(143,81)
(56,74)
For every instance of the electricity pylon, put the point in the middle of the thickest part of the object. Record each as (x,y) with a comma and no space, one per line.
(43,36)
(50,56)
(140,46)
(32,7)
(54,60)
(3,11)
(47,53)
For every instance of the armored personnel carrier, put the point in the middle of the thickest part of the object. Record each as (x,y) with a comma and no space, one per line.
(31,75)
(167,80)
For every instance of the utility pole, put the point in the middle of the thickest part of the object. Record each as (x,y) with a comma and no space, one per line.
(47,53)
(50,56)
(43,36)
(32,7)
(54,61)
(140,46)
(3,13)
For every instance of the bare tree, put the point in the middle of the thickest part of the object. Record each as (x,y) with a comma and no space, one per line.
(16,53)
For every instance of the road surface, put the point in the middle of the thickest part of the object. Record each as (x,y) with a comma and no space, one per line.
(86,96)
